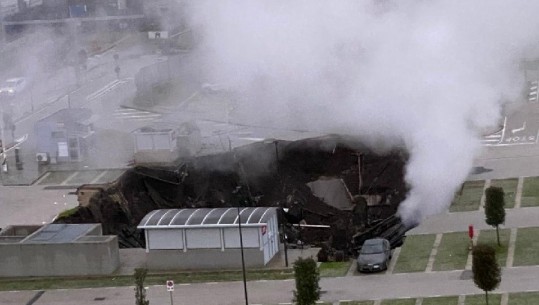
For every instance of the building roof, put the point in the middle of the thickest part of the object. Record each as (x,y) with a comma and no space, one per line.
(204,217)
(59,233)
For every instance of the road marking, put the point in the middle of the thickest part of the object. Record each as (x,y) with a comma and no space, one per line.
(433,252)
(42,178)
(515,130)
(106,89)
(94,181)
(518,195)
(511,248)
(483,197)
(69,178)
(393,261)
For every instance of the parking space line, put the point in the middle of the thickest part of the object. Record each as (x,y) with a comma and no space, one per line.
(69,178)
(518,195)
(469,261)
(511,247)
(393,262)
(94,181)
(483,197)
(47,174)
(433,252)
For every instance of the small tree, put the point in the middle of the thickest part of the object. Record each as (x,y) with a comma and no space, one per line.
(486,271)
(495,208)
(307,277)
(140,292)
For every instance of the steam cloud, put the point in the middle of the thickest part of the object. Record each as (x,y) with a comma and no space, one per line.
(426,75)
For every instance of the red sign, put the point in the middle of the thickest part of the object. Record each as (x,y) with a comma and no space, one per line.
(263,229)
(470,231)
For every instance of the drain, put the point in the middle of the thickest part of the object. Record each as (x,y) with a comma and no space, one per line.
(99,299)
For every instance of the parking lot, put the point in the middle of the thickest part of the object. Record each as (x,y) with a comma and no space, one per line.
(79,177)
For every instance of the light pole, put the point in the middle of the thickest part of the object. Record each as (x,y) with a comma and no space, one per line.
(242,258)
(4,143)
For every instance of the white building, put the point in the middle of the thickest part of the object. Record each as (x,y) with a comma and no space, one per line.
(209,238)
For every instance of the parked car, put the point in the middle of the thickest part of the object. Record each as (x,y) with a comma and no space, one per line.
(374,255)
(13,86)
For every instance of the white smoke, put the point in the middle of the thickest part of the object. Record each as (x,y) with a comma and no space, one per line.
(429,75)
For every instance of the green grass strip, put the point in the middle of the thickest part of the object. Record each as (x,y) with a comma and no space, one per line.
(509,188)
(399,302)
(452,252)
(523,298)
(44,283)
(530,192)
(479,299)
(526,247)
(334,269)
(414,254)
(468,197)
(488,237)
(453,300)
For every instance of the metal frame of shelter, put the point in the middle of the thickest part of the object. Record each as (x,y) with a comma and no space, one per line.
(205,217)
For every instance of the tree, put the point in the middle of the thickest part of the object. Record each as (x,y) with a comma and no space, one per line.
(307,278)
(485,268)
(495,208)
(140,292)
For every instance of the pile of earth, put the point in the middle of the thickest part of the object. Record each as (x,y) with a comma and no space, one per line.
(261,174)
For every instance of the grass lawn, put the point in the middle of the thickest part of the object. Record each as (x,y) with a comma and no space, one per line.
(334,269)
(524,298)
(526,247)
(530,192)
(468,197)
(452,252)
(43,283)
(479,299)
(510,189)
(357,303)
(488,237)
(441,301)
(414,253)
(399,302)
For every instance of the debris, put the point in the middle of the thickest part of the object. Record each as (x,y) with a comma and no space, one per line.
(264,174)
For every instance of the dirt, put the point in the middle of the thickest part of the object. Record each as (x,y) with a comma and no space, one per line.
(260,174)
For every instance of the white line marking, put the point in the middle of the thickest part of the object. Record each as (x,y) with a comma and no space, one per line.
(99,177)
(42,178)
(69,178)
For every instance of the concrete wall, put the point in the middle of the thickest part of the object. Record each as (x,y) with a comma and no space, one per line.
(203,259)
(100,256)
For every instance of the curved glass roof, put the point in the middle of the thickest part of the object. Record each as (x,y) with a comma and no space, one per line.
(205,217)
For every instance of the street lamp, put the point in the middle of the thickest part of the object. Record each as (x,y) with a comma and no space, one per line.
(242,258)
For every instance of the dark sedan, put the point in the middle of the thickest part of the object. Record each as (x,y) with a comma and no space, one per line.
(374,255)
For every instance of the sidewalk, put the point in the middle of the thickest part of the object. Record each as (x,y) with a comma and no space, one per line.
(459,221)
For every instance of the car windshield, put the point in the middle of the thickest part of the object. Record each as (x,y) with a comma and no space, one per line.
(372,249)
(11,83)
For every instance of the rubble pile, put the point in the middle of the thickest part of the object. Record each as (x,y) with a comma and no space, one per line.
(273,173)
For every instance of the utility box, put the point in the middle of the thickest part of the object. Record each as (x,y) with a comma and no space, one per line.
(64,136)
(165,143)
